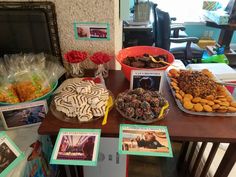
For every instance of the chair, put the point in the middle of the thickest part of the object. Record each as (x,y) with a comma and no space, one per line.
(182,48)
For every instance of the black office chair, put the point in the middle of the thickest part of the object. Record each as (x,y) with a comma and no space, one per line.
(182,48)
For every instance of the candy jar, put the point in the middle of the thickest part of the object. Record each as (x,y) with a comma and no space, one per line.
(73,60)
(101,60)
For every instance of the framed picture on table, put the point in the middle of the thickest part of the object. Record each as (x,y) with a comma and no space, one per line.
(23,114)
(10,154)
(146,79)
(76,147)
(144,140)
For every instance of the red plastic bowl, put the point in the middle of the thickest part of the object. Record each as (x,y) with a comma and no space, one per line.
(139,51)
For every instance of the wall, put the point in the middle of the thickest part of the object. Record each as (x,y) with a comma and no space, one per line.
(69,11)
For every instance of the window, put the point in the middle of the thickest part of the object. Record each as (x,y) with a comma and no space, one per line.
(184,10)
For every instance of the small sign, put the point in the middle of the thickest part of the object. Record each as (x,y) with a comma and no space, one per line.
(23,114)
(76,147)
(10,154)
(92,31)
(144,140)
(146,79)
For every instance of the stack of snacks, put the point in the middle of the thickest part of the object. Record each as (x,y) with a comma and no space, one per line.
(141,105)
(84,100)
(198,92)
(28,76)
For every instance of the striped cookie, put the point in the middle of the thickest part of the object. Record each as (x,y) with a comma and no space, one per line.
(85,118)
(78,100)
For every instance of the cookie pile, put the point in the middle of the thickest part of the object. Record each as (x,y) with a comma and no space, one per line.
(83,100)
(198,92)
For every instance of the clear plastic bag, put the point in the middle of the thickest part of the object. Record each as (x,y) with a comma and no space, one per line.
(33,75)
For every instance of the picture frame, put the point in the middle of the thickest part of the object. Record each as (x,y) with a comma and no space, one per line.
(10,154)
(23,114)
(146,79)
(144,140)
(76,147)
(91,31)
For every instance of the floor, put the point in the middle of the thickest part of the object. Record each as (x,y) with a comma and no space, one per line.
(140,166)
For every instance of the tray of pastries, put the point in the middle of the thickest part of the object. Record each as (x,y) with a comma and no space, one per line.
(198,93)
(80,101)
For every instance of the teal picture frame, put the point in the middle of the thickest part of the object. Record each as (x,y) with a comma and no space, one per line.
(128,131)
(14,150)
(83,134)
(92,31)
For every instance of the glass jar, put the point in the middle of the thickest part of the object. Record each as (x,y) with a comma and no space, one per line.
(102,70)
(76,70)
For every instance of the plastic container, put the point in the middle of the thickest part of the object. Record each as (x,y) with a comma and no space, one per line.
(138,51)
(44,97)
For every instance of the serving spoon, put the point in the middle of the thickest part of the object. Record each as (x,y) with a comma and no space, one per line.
(109,105)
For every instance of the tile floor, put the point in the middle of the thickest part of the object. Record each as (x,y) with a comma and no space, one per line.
(144,166)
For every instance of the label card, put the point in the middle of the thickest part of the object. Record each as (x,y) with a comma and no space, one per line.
(146,79)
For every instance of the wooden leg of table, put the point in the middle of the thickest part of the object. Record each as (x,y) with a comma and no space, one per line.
(227,162)
(182,155)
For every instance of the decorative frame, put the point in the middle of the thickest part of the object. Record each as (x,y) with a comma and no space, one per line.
(91,31)
(73,147)
(23,114)
(138,140)
(146,79)
(10,152)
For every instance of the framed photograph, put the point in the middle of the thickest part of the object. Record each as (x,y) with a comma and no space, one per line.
(146,79)
(23,114)
(10,155)
(76,147)
(92,31)
(144,140)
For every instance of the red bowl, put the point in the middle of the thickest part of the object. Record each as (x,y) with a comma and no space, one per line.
(139,51)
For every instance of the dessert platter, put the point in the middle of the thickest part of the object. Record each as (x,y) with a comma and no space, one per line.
(142,106)
(80,101)
(198,93)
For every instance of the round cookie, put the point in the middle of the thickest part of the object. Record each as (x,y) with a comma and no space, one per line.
(231,109)
(207,108)
(233,104)
(196,99)
(198,107)
(188,105)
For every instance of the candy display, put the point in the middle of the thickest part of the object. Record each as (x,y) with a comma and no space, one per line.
(83,99)
(146,61)
(141,105)
(198,92)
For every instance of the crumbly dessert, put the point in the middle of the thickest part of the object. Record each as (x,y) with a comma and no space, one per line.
(83,100)
(196,83)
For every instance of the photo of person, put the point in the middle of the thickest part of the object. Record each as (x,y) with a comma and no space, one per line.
(77,147)
(145,141)
(14,116)
(6,156)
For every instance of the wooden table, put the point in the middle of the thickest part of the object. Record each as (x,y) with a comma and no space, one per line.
(181,126)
